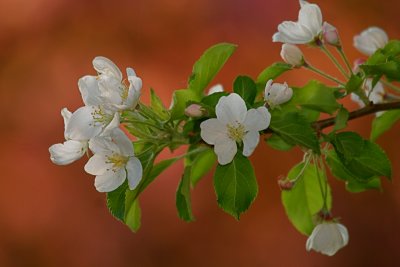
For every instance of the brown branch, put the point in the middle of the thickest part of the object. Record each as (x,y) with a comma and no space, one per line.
(372,108)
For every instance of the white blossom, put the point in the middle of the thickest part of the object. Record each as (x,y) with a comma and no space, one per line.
(327,238)
(292,55)
(376,95)
(70,150)
(370,40)
(277,93)
(305,30)
(234,124)
(215,89)
(113,162)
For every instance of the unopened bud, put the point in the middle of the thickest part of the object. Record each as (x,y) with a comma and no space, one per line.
(357,63)
(194,110)
(277,93)
(330,34)
(370,40)
(292,55)
(284,183)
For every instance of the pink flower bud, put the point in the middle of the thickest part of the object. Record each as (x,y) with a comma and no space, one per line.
(357,63)
(292,55)
(330,34)
(194,110)
(284,183)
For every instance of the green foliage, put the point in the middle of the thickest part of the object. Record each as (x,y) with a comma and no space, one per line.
(305,199)
(208,65)
(183,203)
(363,158)
(316,96)
(201,164)
(180,99)
(341,119)
(354,183)
(354,84)
(235,185)
(246,88)
(383,123)
(133,213)
(276,142)
(116,202)
(271,72)
(158,107)
(294,129)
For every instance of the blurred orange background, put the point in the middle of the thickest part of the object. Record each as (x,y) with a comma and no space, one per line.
(53,216)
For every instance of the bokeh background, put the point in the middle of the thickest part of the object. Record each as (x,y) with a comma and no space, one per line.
(52,216)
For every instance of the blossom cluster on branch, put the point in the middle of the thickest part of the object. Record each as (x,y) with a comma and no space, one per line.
(223,128)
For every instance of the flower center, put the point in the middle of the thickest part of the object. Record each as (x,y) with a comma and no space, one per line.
(118,161)
(236,133)
(124,89)
(100,116)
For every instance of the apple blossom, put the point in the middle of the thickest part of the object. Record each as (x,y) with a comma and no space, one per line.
(330,34)
(292,55)
(234,124)
(376,95)
(327,238)
(113,162)
(70,150)
(277,93)
(305,30)
(370,40)
(194,110)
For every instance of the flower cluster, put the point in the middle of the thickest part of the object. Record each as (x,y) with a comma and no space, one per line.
(95,126)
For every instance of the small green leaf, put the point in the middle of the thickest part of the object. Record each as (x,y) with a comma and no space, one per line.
(202,164)
(341,119)
(276,142)
(235,185)
(383,123)
(354,84)
(316,96)
(133,213)
(209,64)
(183,202)
(348,145)
(305,199)
(246,88)
(271,72)
(116,201)
(180,100)
(295,129)
(158,107)
(353,183)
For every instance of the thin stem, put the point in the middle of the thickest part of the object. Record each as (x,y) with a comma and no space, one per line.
(300,174)
(391,85)
(345,59)
(144,123)
(323,74)
(334,60)
(323,193)
(322,165)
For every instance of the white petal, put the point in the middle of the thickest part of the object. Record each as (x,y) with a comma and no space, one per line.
(226,149)
(66,114)
(105,66)
(211,130)
(68,152)
(135,87)
(82,125)
(292,33)
(123,142)
(371,39)
(257,119)
(216,89)
(112,125)
(135,172)
(327,238)
(231,109)
(110,180)
(250,142)
(88,86)
(103,145)
(345,234)
(111,89)
(97,165)
(310,16)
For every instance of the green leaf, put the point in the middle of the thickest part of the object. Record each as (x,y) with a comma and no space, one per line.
(209,64)
(133,213)
(316,96)
(183,202)
(246,88)
(383,123)
(158,107)
(180,100)
(235,185)
(348,145)
(295,129)
(202,164)
(341,119)
(116,201)
(271,72)
(354,84)
(354,184)
(276,142)
(305,199)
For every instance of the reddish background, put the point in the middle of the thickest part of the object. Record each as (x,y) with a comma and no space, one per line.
(52,216)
